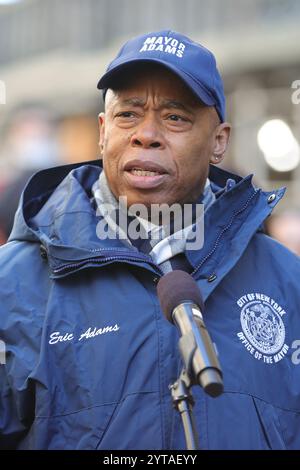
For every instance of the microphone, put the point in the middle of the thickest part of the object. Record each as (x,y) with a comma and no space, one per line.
(182,304)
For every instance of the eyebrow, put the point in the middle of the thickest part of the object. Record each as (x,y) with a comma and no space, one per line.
(169,104)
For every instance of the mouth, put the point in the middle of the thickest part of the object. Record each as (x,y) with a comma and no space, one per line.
(139,172)
(145,168)
(144,174)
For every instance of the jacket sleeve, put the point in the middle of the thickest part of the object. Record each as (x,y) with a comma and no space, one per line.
(20,333)
(12,429)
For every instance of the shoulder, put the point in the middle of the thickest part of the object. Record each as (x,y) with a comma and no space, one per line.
(267,266)
(24,279)
(17,255)
(21,261)
(273,253)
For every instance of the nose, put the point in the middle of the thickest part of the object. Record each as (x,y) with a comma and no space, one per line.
(147,134)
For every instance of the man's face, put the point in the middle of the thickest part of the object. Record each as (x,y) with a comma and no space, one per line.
(157,140)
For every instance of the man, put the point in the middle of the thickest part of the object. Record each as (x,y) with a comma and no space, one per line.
(89,355)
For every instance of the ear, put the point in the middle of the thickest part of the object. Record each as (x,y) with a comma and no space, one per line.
(101,120)
(221,141)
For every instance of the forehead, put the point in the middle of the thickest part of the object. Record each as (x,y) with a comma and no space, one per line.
(155,79)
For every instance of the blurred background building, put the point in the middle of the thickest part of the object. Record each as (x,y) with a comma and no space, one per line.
(53,51)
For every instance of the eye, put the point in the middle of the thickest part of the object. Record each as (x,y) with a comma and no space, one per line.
(125,114)
(176,118)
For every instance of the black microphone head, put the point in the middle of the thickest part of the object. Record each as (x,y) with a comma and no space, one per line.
(175,288)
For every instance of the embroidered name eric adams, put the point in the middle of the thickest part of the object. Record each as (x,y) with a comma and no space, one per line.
(58,337)
(263,330)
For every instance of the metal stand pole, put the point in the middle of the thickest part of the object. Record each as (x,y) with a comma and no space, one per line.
(183,402)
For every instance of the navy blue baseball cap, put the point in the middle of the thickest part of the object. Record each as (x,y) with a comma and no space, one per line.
(190,61)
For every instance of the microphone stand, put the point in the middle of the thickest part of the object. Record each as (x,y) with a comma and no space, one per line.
(183,402)
(182,303)
(196,371)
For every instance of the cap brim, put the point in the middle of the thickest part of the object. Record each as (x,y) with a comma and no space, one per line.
(197,88)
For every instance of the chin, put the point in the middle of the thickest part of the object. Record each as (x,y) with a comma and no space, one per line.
(145,199)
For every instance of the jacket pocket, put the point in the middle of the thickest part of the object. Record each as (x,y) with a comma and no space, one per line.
(280,426)
(269,419)
(134,424)
(78,430)
(240,421)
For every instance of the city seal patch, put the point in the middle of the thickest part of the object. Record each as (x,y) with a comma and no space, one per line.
(263,330)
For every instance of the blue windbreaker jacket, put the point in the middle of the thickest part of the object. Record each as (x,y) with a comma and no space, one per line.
(89,355)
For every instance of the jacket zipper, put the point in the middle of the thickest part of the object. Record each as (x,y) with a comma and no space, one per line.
(222,233)
(68,268)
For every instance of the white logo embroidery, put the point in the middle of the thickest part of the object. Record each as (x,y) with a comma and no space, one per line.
(165,44)
(263,332)
(57,337)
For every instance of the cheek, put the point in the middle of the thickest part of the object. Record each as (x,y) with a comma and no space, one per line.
(115,143)
(193,164)
(193,167)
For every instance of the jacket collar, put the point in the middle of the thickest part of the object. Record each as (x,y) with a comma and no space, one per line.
(55,210)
